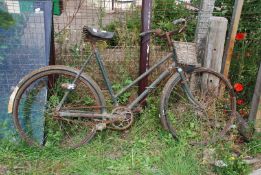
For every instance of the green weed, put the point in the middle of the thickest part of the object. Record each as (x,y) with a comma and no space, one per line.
(231,163)
(144,149)
(124,98)
(253,147)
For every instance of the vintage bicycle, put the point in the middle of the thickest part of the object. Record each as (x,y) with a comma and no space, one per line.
(63,106)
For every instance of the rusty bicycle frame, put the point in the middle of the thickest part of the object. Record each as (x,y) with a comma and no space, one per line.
(120,117)
(174,66)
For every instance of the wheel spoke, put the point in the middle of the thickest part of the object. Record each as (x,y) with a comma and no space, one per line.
(35,117)
(203,123)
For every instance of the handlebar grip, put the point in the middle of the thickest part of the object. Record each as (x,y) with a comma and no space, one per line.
(178,21)
(157,32)
(145,33)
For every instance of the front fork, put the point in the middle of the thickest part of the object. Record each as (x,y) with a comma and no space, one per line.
(186,88)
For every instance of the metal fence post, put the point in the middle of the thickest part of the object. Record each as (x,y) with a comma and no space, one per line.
(144,43)
(52,48)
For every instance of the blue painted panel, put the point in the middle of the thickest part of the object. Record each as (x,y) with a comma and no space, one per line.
(24,46)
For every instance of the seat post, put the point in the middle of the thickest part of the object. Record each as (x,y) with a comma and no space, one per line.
(103,71)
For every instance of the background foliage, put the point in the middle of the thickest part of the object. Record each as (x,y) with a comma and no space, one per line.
(246,58)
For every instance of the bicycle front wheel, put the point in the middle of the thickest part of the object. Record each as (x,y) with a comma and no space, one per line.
(36,101)
(207,118)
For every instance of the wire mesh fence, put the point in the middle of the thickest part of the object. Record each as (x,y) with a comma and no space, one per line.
(124,18)
(25,44)
(118,16)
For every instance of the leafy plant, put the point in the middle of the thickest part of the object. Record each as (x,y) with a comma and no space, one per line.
(124,98)
(6,20)
(165,11)
(11,28)
(126,32)
(233,166)
(254,145)
(246,58)
(75,51)
(227,162)
(87,100)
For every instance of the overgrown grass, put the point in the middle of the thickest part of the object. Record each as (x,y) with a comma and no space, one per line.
(144,149)
(253,147)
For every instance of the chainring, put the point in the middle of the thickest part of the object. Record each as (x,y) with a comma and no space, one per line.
(123,118)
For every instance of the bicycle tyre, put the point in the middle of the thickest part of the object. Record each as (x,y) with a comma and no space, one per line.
(198,125)
(43,88)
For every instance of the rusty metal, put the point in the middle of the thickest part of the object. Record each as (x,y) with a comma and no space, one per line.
(125,118)
(75,79)
(83,107)
(144,49)
(104,74)
(149,89)
(83,114)
(170,43)
(121,117)
(142,76)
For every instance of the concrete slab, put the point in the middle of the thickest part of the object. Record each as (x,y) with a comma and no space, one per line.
(256,172)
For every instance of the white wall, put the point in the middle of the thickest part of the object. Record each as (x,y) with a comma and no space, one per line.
(12,6)
(118,4)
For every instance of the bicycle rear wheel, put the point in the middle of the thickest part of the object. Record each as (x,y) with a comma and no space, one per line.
(205,121)
(37,98)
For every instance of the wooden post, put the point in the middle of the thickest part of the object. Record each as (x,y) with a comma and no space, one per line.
(205,12)
(258,117)
(215,43)
(232,34)
(214,48)
(255,112)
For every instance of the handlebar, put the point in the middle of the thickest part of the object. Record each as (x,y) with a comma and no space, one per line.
(160,33)
(157,32)
(167,35)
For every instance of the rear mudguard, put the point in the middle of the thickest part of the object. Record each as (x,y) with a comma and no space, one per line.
(46,68)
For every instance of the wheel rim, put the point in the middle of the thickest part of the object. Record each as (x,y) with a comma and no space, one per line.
(204,123)
(34,113)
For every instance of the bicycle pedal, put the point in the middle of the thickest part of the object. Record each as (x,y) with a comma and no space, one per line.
(100,126)
(68,86)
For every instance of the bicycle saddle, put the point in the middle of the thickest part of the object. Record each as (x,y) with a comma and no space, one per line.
(96,33)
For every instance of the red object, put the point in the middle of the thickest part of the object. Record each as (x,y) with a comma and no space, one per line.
(243,113)
(240,36)
(238,87)
(240,101)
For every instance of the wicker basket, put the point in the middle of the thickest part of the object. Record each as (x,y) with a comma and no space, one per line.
(186,52)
